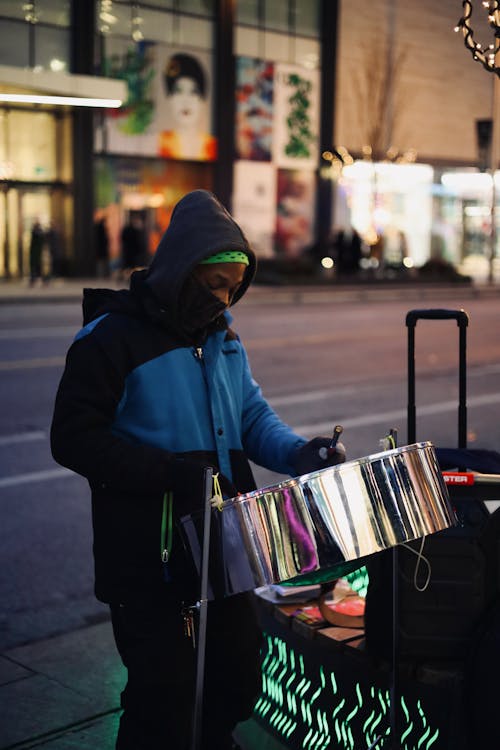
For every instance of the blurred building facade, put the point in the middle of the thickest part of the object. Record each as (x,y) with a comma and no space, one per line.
(306,117)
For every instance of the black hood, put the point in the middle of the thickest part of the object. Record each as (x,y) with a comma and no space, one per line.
(200,226)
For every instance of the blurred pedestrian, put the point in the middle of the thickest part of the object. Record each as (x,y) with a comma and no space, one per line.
(101,240)
(156,388)
(133,245)
(37,243)
(348,247)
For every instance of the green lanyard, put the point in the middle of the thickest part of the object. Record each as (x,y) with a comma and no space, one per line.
(166,528)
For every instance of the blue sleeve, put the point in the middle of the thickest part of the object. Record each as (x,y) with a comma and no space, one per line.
(267,441)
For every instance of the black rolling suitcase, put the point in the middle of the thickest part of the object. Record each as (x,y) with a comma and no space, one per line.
(448,628)
(439,621)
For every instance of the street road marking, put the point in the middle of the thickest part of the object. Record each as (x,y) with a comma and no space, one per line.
(35,333)
(383,418)
(36,476)
(305,398)
(390,416)
(308,396)
(22,437)
(311,339)
(32,364)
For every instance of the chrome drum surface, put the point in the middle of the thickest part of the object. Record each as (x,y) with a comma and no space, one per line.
(321,525)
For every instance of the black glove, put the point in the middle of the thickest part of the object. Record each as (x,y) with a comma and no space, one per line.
(317,454)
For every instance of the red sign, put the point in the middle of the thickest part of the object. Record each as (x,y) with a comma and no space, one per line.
(458,477)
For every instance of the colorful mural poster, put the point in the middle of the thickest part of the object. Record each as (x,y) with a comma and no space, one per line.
(296,116)
(131,128)
(168,109)
(254,204)
(254,109)
(295,212)
(184,105)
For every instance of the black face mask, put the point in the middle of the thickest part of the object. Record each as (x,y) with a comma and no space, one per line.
(198,307)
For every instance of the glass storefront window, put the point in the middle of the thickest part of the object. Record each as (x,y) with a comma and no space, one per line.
(12,9)
(247,12)
(388,204)
(31,139)
(162,4)
(156,26)
(4,166)
(440,216)
(116,22)
(54,12)
(120,15)
(52,49)
(299,17)
(14,43)
(464,214)
(307,17)
(277,15)
(200,7)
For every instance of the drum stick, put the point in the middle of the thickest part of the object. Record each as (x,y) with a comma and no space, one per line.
(325,453)
(337,432)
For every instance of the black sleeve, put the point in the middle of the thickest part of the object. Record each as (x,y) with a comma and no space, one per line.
(81,438)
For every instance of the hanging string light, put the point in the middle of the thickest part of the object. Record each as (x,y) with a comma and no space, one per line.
(339,157)
(106,16)
(30,14)
(485,54)
(136,22)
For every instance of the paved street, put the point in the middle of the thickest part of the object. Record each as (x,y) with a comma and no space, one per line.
(319,362)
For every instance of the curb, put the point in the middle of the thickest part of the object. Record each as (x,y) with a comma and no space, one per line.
(69,292)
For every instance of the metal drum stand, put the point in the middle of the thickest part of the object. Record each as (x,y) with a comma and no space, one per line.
(202,609)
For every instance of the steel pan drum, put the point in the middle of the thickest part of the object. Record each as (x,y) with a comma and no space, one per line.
(322,525)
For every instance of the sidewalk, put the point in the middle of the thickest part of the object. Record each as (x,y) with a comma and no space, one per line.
(63,694)
(70,290)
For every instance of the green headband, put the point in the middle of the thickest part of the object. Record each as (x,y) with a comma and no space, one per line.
(227,256)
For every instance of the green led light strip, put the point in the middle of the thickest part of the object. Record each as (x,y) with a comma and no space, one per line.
(294,698)
(358,581)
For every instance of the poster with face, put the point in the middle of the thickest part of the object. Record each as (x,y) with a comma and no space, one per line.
(254,108)
(183,112)
(254,204)
(296,116)
(168,108)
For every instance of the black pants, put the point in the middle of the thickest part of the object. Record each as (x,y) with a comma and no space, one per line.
(157,701)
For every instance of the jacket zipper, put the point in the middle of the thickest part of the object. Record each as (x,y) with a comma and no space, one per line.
(166,515)
(200,356)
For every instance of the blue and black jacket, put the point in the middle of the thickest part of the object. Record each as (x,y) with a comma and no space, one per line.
(144,402)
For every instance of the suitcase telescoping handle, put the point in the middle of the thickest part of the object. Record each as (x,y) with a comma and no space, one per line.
(462,319)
